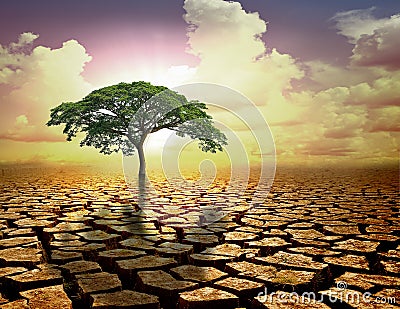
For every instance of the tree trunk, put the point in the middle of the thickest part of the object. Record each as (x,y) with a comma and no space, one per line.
(142,177)
(142,161)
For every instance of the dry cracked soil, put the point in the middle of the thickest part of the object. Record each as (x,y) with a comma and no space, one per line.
(76,239)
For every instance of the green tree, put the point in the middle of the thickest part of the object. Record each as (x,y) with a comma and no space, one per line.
(120,117)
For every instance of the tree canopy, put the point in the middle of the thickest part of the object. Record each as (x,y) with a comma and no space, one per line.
(120,117)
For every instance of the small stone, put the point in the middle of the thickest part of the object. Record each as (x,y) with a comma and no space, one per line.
(162,284)
(250,229)
(342,229)
(110,240)
(108,258)
(33,223)
(223,225)
(380,229)
(268,245)
(52,297)
(303,242)
(367,282)
(97,283)
(124,299)
(291,280)
(127,269)
(356,246)
(133,230)
(240,287)
(307,234)
(348,262)
(198,274)
(35,278)
(54,245)
(391,267)
(301,225)
(138,244)
(231,250)
(380,237)
(312,251)
(180,252)
(28,232)
(239,238)
(275,232)
(391,254)
(284,259)
(207,298)
(65,237)
(200,242)
(25,257)
(217,261)
(8,271)
(17,304)
(250,270)
(19,241)
(80,267)
(331,238)
(3,300)
(62,257)
(66,227)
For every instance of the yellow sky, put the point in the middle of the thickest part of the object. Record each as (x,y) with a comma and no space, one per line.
(317,112)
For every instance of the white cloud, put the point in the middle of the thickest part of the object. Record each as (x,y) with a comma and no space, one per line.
(376,40)
(325,75)
(25,40)
(341,111)
(21,120)
(355,23)
(380,48)
(384,120)
(178,75)
(223,28)
(226,38)
(38,79)
(331,116)
(382,92)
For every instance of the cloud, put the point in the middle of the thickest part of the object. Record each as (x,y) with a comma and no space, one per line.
(178,74)
(338,112)
(335,113)
(210,21)
(323,75)
(227,40)
(384,91)
(330,126)
(25,40)
(353,110)
(22,130)
(376,41)
(355,23)
(380,48)
(345,124)
(287,123)
(35,79)
(11,55)
(384,120)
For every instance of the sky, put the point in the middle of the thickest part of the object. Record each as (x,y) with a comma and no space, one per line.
(325,75)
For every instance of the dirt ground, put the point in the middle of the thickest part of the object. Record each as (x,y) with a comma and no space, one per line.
(76,239)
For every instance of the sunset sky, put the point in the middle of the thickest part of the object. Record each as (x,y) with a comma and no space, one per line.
(324,74)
